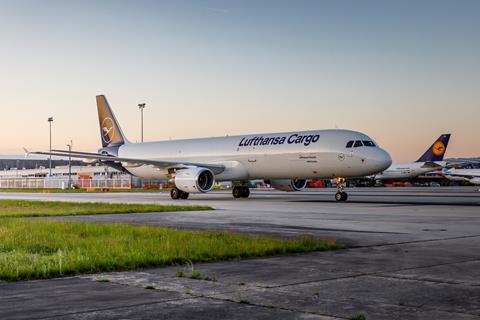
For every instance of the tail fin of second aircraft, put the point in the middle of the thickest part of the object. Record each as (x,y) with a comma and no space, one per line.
(110,130)
(437,150)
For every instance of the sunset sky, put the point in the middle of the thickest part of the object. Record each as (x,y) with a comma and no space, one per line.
(402,72)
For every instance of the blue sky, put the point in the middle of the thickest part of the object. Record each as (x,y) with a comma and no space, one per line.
(401,71)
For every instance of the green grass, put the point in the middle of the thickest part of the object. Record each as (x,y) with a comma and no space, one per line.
(23,208)
(58,190)
(180,274)
(35,249)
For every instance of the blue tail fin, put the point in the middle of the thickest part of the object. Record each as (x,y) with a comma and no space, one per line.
(437,150)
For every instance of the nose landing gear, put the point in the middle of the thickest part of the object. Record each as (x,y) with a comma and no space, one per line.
(341,196)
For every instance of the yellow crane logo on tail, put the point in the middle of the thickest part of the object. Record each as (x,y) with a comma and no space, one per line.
(438,148)
(108,130)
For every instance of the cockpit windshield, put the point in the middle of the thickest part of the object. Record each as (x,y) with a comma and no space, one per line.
(360,143)
(368,143)
(357,144)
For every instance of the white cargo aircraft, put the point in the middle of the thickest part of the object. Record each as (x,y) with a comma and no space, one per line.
(287,159)
(431,160)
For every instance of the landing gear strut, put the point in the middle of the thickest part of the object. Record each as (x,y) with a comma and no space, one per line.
(176,194)
(341,195)
(241,192)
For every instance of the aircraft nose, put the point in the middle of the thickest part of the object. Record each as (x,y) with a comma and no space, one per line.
(383,159)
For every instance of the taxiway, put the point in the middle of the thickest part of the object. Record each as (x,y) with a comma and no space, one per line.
(414,254)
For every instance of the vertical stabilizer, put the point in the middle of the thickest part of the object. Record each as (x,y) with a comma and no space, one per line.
(110,130)
(437,150)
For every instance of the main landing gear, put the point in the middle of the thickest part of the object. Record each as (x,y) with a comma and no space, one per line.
(240,192)
(341,195)
(176,194)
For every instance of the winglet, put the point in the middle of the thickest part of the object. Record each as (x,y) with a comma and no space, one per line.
(27,153)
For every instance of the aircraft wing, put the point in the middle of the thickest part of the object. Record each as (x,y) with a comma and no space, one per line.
(467,175)
(432,165)
(161,164)
(462,162)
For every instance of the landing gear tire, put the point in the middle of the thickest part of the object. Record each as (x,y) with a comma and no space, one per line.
(245,192)
(237,192)
(341,196)
(176,194)
(241,192)
(338,196)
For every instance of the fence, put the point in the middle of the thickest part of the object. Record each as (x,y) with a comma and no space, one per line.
(44,183)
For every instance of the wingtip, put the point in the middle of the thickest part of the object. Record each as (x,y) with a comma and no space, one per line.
(27,153)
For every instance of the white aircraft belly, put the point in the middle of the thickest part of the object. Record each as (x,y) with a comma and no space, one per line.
(264,166)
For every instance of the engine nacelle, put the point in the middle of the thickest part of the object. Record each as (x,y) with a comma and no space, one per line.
(289,184)
(194,180)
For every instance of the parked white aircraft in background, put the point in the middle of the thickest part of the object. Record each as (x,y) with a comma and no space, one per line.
(468,175)
(431,160)
(286,159)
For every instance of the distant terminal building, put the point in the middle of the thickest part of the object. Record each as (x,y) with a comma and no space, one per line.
(19,162)
(61,171)
(20,172)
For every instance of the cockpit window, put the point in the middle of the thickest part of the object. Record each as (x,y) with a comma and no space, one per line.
(367,143)
(357,144)
(349,144)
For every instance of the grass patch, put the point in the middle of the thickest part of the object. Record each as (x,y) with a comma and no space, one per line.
(195,275)
(35,249)
(180,274)
(24,208)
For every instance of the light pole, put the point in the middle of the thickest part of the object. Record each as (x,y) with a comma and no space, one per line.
(141,106)
(50,120)
(70,145)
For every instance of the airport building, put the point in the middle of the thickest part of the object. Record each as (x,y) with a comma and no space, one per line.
(19,163)
(35,173)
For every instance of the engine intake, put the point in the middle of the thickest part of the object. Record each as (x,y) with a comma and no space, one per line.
(194,180)
(289,184)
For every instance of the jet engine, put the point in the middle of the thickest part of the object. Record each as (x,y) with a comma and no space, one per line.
(194,180)
(289,184)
